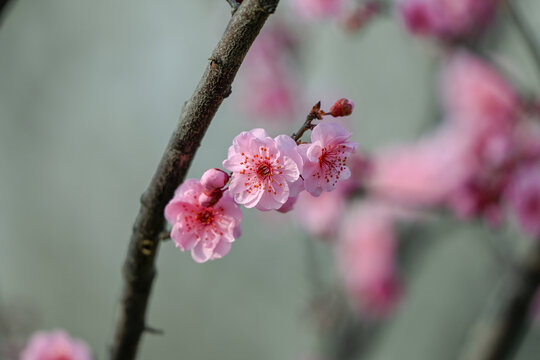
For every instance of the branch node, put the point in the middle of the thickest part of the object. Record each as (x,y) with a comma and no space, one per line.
(147,247)
(215,62)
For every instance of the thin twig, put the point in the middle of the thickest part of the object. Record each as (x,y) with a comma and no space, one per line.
(307,125)
(214,86)
(499,333)
(525,31)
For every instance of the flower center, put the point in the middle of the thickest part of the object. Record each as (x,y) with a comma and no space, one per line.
(264,170)
(206,217)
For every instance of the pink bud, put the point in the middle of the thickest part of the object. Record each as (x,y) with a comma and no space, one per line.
(210,198)
(342,107)
(213,179)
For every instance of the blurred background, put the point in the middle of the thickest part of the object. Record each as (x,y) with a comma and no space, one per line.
(89,95)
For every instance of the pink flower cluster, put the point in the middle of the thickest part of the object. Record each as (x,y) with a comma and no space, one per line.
(447,19)
(55,345)
(265,173)
(482,161)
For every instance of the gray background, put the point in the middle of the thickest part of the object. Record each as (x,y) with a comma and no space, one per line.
(89,94)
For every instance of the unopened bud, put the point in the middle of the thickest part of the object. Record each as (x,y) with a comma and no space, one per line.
(210,198)
(213,179)
(342,107)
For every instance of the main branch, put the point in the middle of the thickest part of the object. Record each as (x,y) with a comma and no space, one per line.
(214,86)
(498,335)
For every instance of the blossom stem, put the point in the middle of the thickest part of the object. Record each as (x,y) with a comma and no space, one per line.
(199,110)
(313,115)
(498,335)
(525,31)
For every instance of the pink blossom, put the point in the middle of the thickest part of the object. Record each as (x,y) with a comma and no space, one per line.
(318,9)
(266,171)
(269,83)
(207,231)
(523,195)
(289,205)
(447,19)
(480,196)
(477,96)
(320,216)
(55,345)
(367,259)
(423,173)
(325,159)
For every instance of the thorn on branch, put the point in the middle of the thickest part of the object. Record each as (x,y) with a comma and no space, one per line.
(153,331)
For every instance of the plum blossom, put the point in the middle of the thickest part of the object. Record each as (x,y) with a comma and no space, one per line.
(325,158)
(269,85)
(446,19)
(477,96)
(523,195)
(320,216)
(55,345)
(318,9)
(207,231)
(366,256)
(418,174)
(265,171)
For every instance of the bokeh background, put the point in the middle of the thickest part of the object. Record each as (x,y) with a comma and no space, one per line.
(89,94)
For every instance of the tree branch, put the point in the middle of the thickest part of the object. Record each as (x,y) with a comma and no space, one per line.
(214,86)
(4,6)
(498,335)
(525,32)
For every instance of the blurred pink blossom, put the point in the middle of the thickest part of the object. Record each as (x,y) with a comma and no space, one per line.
(55,345)
(446,19)
(318,9)
(366,256)
(320,216)
(266,171)
(422,173)
(523,196)
(207,231)
(477,96)
(269,83)
(325,158)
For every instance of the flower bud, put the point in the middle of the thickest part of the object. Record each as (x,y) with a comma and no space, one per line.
(210,198)
(342,107)
(213,179)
